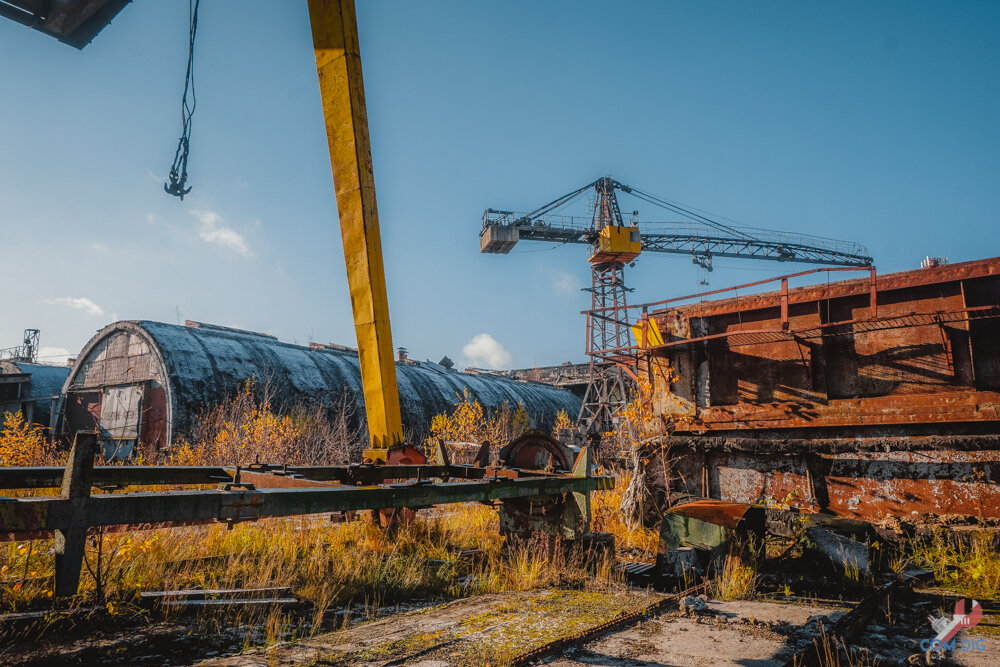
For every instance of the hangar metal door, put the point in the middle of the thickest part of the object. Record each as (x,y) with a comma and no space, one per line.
(121,408)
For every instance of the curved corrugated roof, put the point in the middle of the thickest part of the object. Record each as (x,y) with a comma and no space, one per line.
(205,365)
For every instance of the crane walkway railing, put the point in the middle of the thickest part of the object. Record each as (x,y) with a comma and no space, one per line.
(690,237)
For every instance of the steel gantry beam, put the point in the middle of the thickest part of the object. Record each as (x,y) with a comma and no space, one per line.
(338,65)
(261,491)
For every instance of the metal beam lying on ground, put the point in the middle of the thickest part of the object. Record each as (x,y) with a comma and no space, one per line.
(850,624)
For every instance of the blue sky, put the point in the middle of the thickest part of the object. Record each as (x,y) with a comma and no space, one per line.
(874,122)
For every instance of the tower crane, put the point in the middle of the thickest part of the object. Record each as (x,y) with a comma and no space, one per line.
(614,243)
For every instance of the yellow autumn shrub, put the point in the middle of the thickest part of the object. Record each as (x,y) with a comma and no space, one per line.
(470,422)
(23,444)
(563,423)
(246,429)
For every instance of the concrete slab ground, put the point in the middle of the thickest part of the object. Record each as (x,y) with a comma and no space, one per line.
(492,629)
(744,633)
(486,629)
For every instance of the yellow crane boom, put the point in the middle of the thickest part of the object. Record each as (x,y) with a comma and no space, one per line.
(338,64)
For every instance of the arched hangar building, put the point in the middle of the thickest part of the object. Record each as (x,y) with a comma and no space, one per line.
(144,381)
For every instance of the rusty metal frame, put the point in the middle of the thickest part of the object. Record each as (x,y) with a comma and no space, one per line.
(628,355)
(118,476)
(842,328)
(247,495)
(825,269)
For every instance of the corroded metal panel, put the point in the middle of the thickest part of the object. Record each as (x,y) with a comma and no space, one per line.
(154,416)
(926,353)
(869,485)
(779,371)
(120,410)
(879,372)
(985,334)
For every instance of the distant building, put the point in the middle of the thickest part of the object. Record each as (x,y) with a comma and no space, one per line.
(32,389)
(573,377)
(143,381)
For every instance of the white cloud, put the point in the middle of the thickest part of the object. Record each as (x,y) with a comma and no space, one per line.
(565,283)
(99,246)
(213,231)
(484,350)
(80,303)
(53,355)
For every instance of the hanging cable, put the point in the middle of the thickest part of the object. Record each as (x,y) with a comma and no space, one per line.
(653,199)
(178,171)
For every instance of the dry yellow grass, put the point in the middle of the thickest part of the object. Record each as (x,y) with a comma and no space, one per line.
(737,581)
(607,517)
(971,568)
(329,565)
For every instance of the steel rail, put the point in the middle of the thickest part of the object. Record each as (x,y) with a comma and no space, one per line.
(849,327)
(701,295)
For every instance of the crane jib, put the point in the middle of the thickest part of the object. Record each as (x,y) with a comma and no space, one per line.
(699,236)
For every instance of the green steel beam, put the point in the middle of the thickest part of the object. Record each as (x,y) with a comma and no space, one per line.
(48,514)
(51,476)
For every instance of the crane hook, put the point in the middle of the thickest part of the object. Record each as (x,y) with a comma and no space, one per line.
(176,186)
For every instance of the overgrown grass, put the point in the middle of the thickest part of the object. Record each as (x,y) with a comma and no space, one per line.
(832,652)
(331,566)
(607,517)
(736,581)
(971,568)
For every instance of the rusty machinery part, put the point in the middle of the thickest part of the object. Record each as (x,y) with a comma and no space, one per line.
(404,455)
(392,518)
(537,451)
(559,516)
(695,536)
(869,397)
